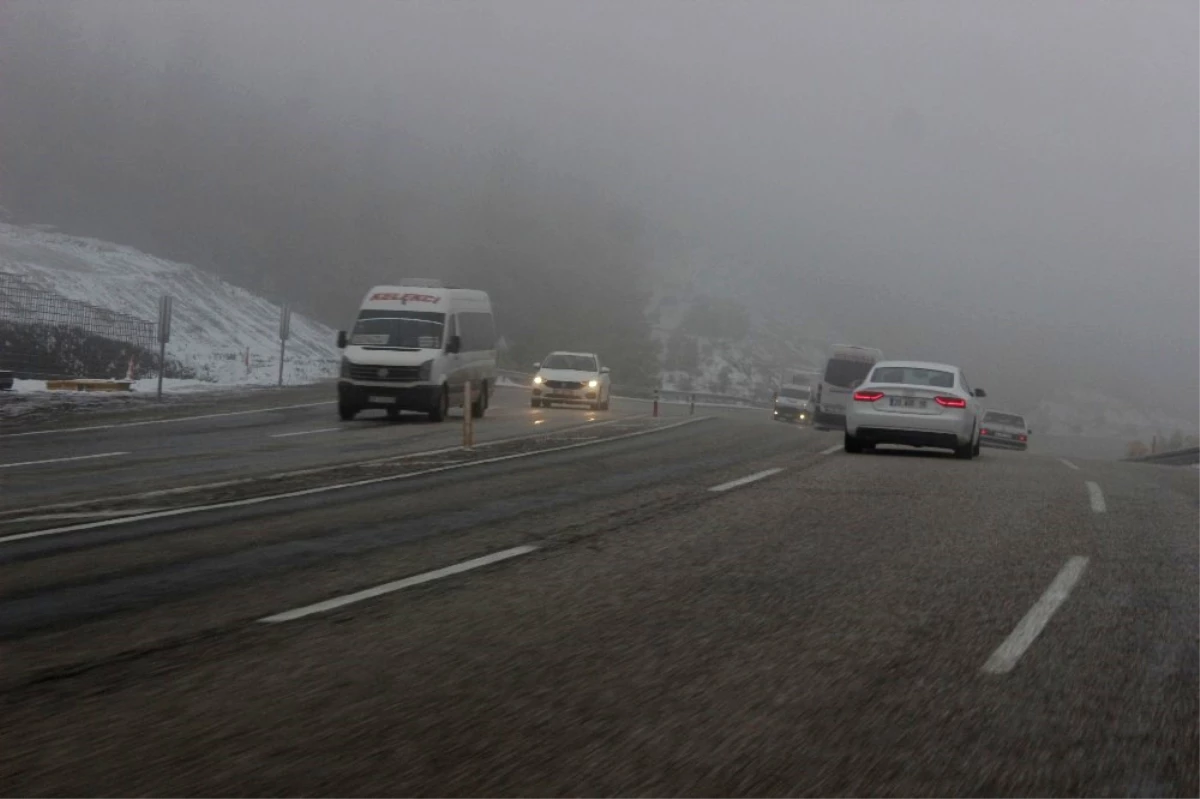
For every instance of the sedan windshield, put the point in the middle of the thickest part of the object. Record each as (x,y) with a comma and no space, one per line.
(795,392)
(399,329)
(911,376)
(578,363)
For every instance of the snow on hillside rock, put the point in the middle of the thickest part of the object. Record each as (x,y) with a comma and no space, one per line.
(213,323)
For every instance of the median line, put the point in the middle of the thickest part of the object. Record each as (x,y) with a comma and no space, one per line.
(832,449)
(398,585)
(304,492)
(1068,464)
(305,432)
(753,478)
(169,420)
(63,460)
(1096,497)
(1027,630)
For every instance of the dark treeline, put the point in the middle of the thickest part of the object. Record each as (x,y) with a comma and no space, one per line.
(300,199)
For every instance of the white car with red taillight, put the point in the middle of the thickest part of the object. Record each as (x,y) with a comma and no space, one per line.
(1004,430)
(916,404)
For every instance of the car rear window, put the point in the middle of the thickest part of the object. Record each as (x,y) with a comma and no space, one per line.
(912,376)
(842,373)
(1009,419)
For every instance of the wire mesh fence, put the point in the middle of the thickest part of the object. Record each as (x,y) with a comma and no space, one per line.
(43,334)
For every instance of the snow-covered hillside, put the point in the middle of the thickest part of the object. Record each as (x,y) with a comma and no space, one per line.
(214,323)
(749,363)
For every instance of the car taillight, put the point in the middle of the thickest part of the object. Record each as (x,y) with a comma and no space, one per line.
(1021,438)
(984,432)
(950,402)
(867,396)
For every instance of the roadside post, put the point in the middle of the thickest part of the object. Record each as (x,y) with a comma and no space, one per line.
(656,394)
(285,329)
(692,405)
(468,421)
(165,304)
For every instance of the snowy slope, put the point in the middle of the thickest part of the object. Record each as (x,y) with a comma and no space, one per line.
(214,322)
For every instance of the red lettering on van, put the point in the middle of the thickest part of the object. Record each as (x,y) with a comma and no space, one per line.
(390,296)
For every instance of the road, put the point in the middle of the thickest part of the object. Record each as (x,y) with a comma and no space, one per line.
(709,605)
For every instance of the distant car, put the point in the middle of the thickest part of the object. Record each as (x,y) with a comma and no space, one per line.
(1004,430)
(571,378)
(6,380)
(916,404)
(792,404)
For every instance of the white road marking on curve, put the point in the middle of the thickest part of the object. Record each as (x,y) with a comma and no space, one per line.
(1009,652)
(832,449)
(63,460)
(1068,464)
(1096,497)
(397,585)
(304,432)
(745,480)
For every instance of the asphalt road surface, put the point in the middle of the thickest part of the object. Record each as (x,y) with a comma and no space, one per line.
(589,604)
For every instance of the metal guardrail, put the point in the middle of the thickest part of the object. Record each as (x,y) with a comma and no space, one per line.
(1179,457)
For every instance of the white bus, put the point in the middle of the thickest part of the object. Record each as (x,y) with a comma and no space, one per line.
(847,366)
(414,346)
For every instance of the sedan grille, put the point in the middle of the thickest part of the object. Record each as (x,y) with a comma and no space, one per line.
(564,384)
(385,374)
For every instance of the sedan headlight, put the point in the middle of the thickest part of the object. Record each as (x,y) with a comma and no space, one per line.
(345,367)
(537,380)
(593,383)
(425,370)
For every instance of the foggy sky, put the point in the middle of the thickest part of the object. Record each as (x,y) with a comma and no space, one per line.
(1027,169)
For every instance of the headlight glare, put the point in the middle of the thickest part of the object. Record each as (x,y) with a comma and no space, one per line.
(593,383)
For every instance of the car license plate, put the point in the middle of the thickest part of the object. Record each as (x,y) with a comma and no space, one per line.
(382,400)
(907,402)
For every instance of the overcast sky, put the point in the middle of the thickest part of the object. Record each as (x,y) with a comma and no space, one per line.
(1031,165)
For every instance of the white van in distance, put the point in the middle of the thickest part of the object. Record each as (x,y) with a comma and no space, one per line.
(847,366)
(414,346)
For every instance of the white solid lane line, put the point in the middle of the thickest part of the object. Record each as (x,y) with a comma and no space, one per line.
(832,449)
(62,460)
(116,425)
(1096,496)
(1068,464)
(745,480)
(1008,653)
(304,432)
(397,585)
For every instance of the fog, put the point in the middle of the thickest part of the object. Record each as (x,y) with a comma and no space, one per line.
(1008,185)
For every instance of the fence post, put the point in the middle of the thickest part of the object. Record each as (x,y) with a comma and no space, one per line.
(285,328)
(468,421)
(164,335)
